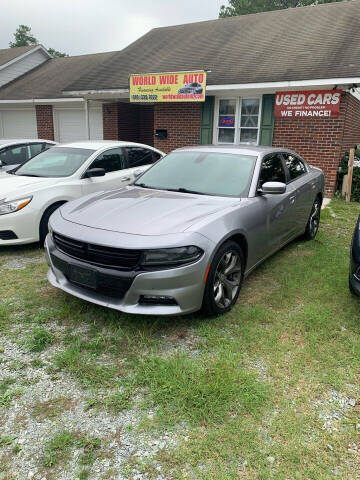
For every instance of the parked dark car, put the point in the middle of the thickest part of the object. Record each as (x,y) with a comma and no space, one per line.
(354,277)
(192,88)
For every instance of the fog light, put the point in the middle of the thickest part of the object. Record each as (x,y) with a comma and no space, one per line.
(157,300)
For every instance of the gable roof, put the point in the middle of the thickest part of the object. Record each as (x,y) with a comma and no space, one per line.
(8,54)
(49,79)
(304,43)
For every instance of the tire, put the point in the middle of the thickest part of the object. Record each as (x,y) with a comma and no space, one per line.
(312,225)
(351,288)
(224,280)
(44,228)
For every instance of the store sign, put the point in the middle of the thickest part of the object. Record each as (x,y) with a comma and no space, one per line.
(168,87)
(226,121)
(308,104)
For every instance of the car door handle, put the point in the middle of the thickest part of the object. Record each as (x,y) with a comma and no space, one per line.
(292,199)
(126,179)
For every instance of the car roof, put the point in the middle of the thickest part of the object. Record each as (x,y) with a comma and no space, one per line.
(14,141)
(240,149)
(98,144)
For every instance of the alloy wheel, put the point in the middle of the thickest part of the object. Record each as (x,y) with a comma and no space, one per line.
(315,218)
(227,279)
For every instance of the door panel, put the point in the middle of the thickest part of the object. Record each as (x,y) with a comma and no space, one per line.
(300,182)
(113,162)
(280,218)
(280,224)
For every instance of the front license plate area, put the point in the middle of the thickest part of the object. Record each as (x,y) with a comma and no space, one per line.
(85,277)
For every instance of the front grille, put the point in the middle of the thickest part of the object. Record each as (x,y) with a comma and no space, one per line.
(118,258)
(7,235)
(109,285)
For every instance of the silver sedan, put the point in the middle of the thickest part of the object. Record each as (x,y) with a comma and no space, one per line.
(185,234)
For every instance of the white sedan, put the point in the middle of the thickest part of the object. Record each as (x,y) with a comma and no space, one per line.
(32,192)
(14,152)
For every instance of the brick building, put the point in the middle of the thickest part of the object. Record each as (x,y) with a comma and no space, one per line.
(249,59)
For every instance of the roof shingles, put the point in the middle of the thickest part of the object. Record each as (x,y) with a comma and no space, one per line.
(8,54)
(306,43)
(294,44)
(49,79)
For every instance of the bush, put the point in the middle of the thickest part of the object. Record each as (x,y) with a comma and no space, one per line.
(343,170)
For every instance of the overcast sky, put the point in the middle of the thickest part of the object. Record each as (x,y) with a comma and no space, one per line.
(90,26)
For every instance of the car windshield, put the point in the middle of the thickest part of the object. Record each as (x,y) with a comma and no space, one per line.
(201,172)
(56,162)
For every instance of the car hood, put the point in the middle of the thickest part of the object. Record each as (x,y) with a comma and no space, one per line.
(141,211)
(13,186)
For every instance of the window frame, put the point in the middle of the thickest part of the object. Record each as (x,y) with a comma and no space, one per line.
(289,179)
(19,145)
(126,148)
(238,110)
(280,154)
(102,153)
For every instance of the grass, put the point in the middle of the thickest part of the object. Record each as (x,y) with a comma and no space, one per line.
(39,339)
(233,391)
(59,448)
(198,390)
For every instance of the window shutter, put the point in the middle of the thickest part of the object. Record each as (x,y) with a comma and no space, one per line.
(267,119)
(206,126)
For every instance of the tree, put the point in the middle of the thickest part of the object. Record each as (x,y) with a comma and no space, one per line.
(243,7)
(56,53)
(24,37)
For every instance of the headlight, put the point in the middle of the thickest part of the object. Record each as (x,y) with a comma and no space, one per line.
(171,256)
(14,206)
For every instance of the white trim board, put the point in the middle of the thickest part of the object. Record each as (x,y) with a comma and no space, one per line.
(325,82)
(23,55)
(42,100)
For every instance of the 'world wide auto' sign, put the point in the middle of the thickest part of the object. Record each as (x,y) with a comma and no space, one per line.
(168,87)
(308,104)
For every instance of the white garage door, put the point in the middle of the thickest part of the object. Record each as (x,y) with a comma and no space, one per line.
(71,126)
(18,123)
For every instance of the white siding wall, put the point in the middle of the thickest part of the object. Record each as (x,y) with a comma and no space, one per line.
(70,124)
(21,66)
(18,123)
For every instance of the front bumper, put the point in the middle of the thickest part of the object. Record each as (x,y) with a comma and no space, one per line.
(184,284)
(24,224)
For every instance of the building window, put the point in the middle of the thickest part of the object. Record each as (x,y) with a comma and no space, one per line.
(237,120)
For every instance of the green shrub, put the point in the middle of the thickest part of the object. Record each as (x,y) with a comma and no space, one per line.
(343,170)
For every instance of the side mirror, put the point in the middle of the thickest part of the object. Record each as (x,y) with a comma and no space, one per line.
(274,188)
(95,172)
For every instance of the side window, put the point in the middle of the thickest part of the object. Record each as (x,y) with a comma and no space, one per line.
(272,170)
(156,156)
(36,148)
(295,166)
(14,155)
(111,160)
(138,156)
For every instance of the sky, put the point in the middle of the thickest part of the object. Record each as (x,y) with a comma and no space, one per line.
(90,26)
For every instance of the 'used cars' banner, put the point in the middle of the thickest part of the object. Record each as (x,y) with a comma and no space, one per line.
(309,103)
(168,87)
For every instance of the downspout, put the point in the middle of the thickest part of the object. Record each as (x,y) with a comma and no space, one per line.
(87,121)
